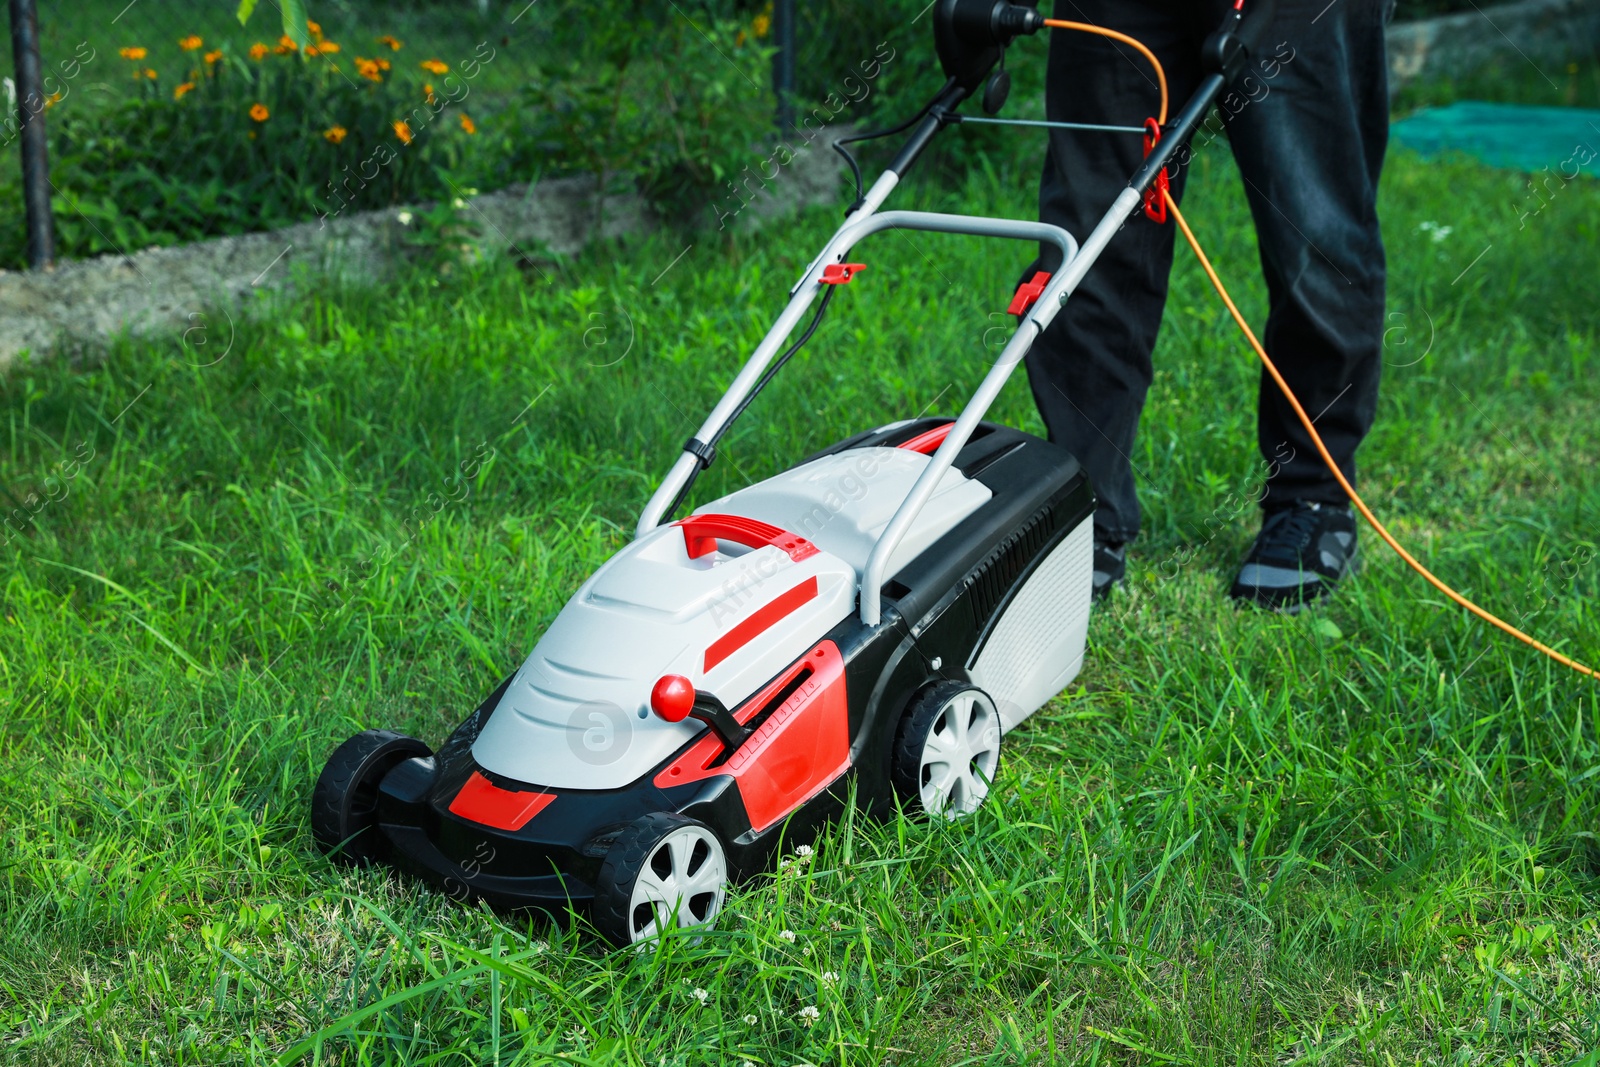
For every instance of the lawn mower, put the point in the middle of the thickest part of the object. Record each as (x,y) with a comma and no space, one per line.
(871,622)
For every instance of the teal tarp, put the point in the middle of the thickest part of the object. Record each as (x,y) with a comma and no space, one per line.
(1565,139)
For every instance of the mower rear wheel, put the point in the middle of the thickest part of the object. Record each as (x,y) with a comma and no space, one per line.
(947,749)
(662,868)
(344,805)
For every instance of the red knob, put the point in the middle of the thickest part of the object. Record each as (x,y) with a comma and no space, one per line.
(673,697)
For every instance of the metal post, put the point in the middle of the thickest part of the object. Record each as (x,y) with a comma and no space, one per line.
(783,35)
(30,124)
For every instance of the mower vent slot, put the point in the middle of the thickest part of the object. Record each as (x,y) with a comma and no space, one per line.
(992,579)
(789,689)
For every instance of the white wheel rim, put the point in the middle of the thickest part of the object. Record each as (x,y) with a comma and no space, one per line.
(960,755)
(684,877)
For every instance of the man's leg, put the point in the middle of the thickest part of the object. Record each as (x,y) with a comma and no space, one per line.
(1309,141)
(1090,371)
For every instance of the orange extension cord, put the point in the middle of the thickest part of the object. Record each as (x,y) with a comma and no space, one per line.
(1294,401)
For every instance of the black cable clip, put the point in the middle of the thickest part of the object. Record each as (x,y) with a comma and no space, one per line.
(701,451)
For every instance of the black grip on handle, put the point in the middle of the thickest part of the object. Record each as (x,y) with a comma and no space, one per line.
(1229,48)
(1258,16)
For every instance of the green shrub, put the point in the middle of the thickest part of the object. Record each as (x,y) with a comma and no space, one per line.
(676,106)
(242,142)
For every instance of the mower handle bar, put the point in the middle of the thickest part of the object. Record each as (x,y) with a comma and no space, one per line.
(1225,52)
(806,290)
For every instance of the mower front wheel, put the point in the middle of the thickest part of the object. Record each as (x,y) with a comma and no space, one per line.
(663,869)
(344,805)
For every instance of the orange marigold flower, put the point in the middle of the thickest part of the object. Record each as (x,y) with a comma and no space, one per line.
(52,100)
(427,92)
(178,91)
(311,49)
(286,46)
(467,123)
(402,131)
(134,53)
(334,134)
(258,50)
(433,66)
(150,73)
(760,25)
(212,57)
(383,64)
(394,45)
(190,43)
(368,69)
(328,47)
(316,30)
(259,112)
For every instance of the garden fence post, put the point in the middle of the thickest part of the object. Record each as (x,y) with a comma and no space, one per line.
(783,61)
(30,124)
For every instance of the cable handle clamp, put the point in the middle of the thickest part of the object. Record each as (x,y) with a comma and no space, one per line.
(704,453)
(1155,197)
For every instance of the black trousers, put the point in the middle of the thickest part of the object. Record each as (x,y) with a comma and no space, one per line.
(1308,124)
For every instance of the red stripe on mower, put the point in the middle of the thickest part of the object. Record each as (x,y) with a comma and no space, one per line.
(928,443)
(484,802)
(764,618)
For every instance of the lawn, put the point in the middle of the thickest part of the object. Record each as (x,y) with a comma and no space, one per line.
(1363,835)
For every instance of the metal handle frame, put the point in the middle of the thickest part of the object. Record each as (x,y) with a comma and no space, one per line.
(865,221)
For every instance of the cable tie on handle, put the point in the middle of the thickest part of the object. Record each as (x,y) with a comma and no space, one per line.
(1155,197)
(701,451)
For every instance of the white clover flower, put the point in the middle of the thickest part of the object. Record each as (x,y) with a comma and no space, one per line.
(809,1014)
(787,935)
(1435,230)
(701,995)
(749,1020)
(404,218)
(458,203)
(804,851)
(830,977)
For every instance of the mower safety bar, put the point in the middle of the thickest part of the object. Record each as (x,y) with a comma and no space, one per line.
(807,289)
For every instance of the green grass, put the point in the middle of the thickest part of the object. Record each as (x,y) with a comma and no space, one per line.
(1365,835)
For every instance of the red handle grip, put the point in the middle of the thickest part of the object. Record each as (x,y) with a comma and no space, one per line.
(702,532)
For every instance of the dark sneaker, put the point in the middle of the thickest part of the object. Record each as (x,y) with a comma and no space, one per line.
(1110,566)
(1299,556)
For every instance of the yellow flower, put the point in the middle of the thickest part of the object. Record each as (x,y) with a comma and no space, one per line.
(368,69)
(433,66)
(402,131)
(134,53)
(177,93)
(258,50)
(52,100)
(212,57)
(259,112)
(467,123)
(328,47)
(394,45)
(286,46)
(760,25)
(190,43)
(334,134)
(427,91)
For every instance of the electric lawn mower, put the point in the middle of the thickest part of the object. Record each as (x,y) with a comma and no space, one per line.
(879,616)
